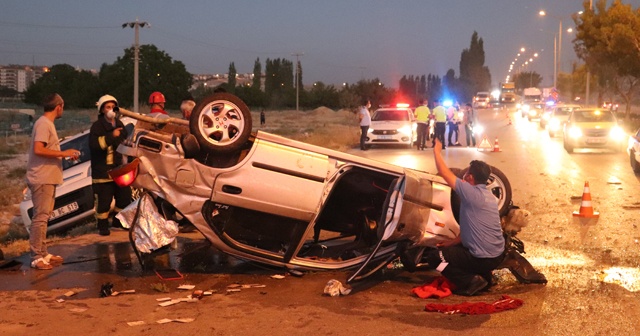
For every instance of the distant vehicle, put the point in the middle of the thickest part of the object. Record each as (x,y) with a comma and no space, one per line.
(531,106)
(74,197)
(482,99)
(557,117)
(633,149)
(508,93)
(610,106)
(392,126)
(593,128)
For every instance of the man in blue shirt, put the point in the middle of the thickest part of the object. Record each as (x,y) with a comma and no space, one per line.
(468,261)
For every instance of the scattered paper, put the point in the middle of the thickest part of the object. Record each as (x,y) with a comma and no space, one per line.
(207,293)
(277,276)
(181,320)
(69,293)
(163,299)
(186,287)
(60,300)
(135,323)
(77,310)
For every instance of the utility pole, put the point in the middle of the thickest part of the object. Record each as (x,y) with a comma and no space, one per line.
(587,65)
(136,25)
(297,55)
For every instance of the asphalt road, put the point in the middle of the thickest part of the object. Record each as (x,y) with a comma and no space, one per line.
(591,266)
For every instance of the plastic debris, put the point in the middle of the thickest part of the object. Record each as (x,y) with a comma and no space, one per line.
(181,320)
(135,323)
(186,287)
(106,289)
(335,288)
(277,276)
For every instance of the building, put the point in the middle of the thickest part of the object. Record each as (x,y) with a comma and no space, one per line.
(20,77)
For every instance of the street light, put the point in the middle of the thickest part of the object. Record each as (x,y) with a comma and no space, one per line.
(136,25)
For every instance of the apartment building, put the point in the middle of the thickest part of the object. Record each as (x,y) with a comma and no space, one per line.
(19,77)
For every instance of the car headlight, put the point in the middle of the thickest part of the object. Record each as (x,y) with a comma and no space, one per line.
(405,130)
(617,133)
(554,124)
(370,130)
(477,129)
(518,105)
(575,132)
(526,108)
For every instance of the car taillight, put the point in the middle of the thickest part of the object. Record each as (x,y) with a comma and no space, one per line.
(124,175)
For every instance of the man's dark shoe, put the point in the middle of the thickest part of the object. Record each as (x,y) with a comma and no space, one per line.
(477,284)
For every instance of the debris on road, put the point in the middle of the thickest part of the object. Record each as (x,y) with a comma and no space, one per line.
(181,320)
(335,288)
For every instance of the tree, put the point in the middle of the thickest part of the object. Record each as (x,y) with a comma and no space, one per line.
(526,79)
(78,88)
(608,40)
(257,74)
(323,95)
(474,75)
(278,83)
(231,81)
(157,72)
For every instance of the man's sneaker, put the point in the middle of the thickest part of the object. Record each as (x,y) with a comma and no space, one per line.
(477,284)
(41,264)
(54,260)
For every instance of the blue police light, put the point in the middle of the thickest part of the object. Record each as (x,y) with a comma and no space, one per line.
(447,103)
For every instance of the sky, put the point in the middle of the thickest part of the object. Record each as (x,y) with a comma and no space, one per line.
(338,41)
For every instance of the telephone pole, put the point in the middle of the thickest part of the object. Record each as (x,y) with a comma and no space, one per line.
(297,55)
(136,25)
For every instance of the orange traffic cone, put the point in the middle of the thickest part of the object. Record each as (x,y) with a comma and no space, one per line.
(586,209)
(509,120)
(496,146)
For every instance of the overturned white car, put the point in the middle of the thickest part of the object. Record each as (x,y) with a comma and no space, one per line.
(276,201)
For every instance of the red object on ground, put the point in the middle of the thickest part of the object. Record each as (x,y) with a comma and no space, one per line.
(476,308)
(440,287)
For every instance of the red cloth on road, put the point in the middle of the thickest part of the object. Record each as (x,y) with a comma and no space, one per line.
(476,308)
(440,287)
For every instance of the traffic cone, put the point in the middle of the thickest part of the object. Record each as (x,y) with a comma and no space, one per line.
(586,209)
(484,144)
(496,146)
(509,120)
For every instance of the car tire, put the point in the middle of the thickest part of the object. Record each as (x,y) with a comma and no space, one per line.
(499,186)
(635,166)
(221,123)
(567,146)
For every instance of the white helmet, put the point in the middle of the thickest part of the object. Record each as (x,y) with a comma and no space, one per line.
(104,99)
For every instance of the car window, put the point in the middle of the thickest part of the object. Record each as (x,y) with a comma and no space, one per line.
(593,116)
(80,143)
(391,115)
(563,111)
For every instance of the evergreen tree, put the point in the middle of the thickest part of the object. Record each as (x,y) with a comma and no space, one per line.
(257,74)
(231,81)
(474,75)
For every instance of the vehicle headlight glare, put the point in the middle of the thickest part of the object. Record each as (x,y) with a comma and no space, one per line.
(617,133)
(405,130)
(575,132)
(478,129)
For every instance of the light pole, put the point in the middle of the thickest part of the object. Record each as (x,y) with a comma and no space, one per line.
(297,55)
(558,62)
(136,25)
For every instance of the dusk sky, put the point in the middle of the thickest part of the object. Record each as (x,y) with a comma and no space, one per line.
(341,41)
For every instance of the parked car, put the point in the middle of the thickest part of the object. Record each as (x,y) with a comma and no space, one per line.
(287,203)
(593,128)
(633,149)
(74,197)
(610,106)
(557,117)
(392,126)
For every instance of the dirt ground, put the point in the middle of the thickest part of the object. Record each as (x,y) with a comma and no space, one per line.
(592,268)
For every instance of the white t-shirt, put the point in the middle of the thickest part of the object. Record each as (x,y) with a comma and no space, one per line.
(366,117)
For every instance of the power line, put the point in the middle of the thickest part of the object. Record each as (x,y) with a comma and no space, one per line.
(32,25)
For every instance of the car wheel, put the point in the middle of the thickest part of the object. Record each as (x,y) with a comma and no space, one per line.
(632,160)
(567,146)
(500,187)
(221,123)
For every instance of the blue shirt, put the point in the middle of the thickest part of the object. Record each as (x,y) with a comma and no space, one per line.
(480,229)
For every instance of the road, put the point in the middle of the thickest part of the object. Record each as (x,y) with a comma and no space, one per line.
(591,266)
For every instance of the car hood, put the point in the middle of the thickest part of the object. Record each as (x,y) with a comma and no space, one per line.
(596,125)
